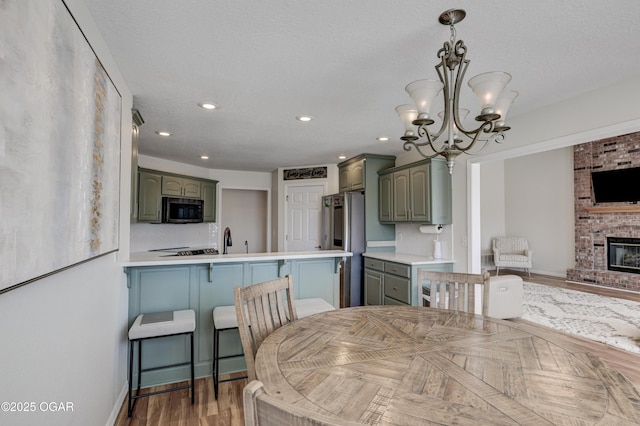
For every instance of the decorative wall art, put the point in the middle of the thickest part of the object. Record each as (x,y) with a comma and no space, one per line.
(60,118)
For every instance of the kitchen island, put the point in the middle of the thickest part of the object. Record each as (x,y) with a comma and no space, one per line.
(159,282)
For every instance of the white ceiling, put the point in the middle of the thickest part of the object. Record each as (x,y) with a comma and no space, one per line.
(345,62)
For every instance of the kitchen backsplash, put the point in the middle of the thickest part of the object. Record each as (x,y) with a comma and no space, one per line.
(410,240)
(149,236)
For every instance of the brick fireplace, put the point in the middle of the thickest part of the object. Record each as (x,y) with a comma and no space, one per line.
(594,224)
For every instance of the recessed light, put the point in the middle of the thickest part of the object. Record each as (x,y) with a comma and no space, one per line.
(382,138)
(208,105)
(163,133)
(341,157)
(304,118)
(204,157)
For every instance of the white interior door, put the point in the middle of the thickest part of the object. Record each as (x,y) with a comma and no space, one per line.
(304,217)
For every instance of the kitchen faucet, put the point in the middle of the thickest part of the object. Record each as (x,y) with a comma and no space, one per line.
(227,239)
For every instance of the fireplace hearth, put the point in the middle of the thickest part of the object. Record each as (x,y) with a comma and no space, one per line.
(623,254)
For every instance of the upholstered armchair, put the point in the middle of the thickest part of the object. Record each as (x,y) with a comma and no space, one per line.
(512,252)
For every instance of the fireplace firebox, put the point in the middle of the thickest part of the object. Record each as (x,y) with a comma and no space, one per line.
(624,254)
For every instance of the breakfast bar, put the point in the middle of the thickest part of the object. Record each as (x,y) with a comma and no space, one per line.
(159,282)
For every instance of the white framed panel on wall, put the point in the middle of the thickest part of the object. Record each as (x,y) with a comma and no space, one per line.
(60,121)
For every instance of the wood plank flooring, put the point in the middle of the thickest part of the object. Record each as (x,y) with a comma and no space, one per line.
(175,408)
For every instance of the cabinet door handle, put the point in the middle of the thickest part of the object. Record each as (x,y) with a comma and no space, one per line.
(395,288)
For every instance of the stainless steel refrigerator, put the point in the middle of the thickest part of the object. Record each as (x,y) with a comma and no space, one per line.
(343,218)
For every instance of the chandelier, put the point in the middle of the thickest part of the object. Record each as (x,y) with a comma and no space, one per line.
(488,87)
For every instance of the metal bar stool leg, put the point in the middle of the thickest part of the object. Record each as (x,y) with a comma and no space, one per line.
(216,360)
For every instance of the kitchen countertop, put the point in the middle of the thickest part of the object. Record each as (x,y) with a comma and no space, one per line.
(405,258)
(158,258)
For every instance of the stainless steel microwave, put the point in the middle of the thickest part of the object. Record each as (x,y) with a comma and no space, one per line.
(181,210)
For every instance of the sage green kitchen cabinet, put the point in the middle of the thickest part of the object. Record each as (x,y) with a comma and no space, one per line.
(153,185)
(385,209)
(373,282)
(395,283)
(181,187)
(209,201)
(419,192)
(351,175)
(401,189)
(149,196)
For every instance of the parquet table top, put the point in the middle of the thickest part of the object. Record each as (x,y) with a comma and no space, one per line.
(401,365)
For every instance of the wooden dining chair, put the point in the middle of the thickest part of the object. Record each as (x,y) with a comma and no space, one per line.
(261,409)
(453,290)
(261,309)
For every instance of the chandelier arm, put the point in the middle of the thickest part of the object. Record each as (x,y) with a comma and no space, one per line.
(485,127)
(430,142)
(408,144)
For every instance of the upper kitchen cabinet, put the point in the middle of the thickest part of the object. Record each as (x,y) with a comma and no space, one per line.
(153,185)
(149,196)
(353,173)
(181,187)
(209,200)
(417,192)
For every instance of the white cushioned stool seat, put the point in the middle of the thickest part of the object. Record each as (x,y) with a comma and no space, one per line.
(308,307)
(183,322)
(160,325)
(225,317)
(505,297)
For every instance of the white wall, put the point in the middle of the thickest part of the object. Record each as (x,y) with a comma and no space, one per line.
(601,113)
(245,212)
(492,203)
(540,206)
(64,337)
(532,196)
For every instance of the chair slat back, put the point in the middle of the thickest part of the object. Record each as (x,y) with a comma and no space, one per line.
(456,291)
(261,309)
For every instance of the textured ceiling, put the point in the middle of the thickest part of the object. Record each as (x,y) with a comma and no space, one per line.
(345,62)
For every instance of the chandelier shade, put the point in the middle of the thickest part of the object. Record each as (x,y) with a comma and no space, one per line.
(487,87)
(452,138)
(503,103)
(408,113)
(423,92)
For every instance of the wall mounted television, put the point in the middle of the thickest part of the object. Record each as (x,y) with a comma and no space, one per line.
(614,186)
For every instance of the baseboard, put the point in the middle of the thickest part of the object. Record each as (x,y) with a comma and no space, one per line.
(623,290)
(118,405)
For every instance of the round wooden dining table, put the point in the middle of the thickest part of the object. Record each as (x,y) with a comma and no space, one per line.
(403,365)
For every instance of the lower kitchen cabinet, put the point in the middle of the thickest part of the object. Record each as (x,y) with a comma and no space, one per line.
(202,287)
(395,283)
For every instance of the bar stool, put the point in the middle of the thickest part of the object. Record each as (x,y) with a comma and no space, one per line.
(224,319)
(153,326)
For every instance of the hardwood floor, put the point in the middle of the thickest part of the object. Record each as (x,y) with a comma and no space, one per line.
(174,408)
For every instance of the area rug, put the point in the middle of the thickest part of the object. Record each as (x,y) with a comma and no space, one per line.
(609,320)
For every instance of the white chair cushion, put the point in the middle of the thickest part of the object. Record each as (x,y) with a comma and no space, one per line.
(183,322)
(308,307)
(224,317)
(513,258)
